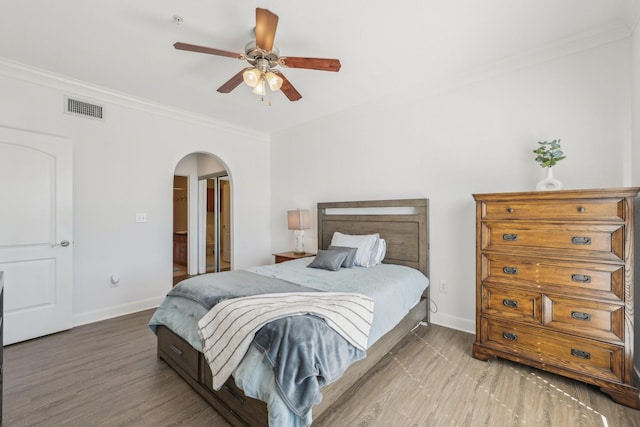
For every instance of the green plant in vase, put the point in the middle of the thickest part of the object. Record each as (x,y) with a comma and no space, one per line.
(548,154)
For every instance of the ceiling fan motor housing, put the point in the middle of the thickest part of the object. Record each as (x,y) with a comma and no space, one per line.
(260,58)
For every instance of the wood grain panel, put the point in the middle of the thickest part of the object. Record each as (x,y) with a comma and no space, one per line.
(587,280)
(559,210)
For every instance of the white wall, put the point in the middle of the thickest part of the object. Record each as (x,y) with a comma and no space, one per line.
(635,161)
(453,140)
(125,165)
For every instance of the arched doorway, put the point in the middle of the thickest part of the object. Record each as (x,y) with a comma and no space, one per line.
(202,229)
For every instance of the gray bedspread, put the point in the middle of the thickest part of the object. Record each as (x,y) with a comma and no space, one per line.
(210,289)
(305,354)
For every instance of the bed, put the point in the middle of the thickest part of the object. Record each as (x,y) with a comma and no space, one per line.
(403,224)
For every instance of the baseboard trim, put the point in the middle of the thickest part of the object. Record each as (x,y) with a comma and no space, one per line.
(116,311)
(454,322)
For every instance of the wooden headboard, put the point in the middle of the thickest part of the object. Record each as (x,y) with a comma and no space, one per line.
(404,224)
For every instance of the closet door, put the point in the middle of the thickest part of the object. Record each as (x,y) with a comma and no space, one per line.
(36,251)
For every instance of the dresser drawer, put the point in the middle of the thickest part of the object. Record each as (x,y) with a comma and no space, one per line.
(587,357)
(512,305)
(178,351)
(604,242)
(605,281)
(253,410)
(585,318)
(563,210)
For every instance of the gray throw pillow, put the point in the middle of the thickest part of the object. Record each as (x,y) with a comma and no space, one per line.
(350,260)
(328,260)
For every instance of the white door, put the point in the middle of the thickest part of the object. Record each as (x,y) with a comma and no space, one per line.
(36,251)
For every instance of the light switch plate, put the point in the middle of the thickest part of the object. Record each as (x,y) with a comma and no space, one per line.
(141,217)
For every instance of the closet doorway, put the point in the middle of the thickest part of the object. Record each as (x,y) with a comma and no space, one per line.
(202,229)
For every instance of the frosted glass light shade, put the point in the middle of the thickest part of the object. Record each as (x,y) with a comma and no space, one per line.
(252,77)
(274,80)
(260,88)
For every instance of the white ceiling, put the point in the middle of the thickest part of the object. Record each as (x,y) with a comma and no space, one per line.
(127,46)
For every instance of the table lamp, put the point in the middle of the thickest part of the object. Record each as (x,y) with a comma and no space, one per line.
(298,221)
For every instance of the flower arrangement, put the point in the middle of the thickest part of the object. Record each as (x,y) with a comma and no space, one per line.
(549,153)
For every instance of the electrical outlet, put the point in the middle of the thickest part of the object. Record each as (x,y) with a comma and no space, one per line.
(444,287)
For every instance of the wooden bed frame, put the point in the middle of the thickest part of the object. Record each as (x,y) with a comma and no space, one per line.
(404,226)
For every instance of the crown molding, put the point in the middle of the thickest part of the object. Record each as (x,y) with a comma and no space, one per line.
(632,14)
(572,45)
(591,39)
(29,74)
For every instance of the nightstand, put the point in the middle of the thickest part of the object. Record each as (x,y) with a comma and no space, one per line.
(288,256)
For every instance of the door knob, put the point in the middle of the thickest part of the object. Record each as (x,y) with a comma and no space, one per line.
(63,243)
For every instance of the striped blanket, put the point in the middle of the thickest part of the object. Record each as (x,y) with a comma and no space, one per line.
(229,327)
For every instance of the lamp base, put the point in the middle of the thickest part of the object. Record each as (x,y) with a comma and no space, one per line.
(299,249)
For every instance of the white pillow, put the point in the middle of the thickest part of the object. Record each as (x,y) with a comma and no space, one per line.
(382,250)
(366,245)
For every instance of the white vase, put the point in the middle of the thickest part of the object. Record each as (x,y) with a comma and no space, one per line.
(549,182)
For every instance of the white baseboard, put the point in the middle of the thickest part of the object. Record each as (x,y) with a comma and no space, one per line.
(453,322)
(116,311)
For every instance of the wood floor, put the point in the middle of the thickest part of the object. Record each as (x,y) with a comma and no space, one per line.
(107,374)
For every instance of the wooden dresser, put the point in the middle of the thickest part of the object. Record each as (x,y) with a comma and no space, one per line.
(554,284)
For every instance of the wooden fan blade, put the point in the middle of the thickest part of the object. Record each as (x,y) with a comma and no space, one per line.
(233,82)
(266,24)
(288,89)
(322,64)
(209,50)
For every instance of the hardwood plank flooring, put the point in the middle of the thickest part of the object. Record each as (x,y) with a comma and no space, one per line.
(107,374)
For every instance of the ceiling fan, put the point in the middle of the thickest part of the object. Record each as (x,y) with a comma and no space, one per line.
(264,58)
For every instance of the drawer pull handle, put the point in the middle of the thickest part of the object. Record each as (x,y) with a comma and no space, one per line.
(581,278)
(580,353)
(232,394)
(581,240)
(510,210)
(510,237)
(511,303)
(509,336)
(581,209)
(578,315)
(510,270)
(175,349)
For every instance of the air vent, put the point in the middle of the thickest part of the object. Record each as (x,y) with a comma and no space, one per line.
(84,109)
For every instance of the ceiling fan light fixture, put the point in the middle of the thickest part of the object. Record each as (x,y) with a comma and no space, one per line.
(252,77)
(260,88)
(274,80)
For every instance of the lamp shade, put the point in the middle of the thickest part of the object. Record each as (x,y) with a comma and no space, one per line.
(300,219)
